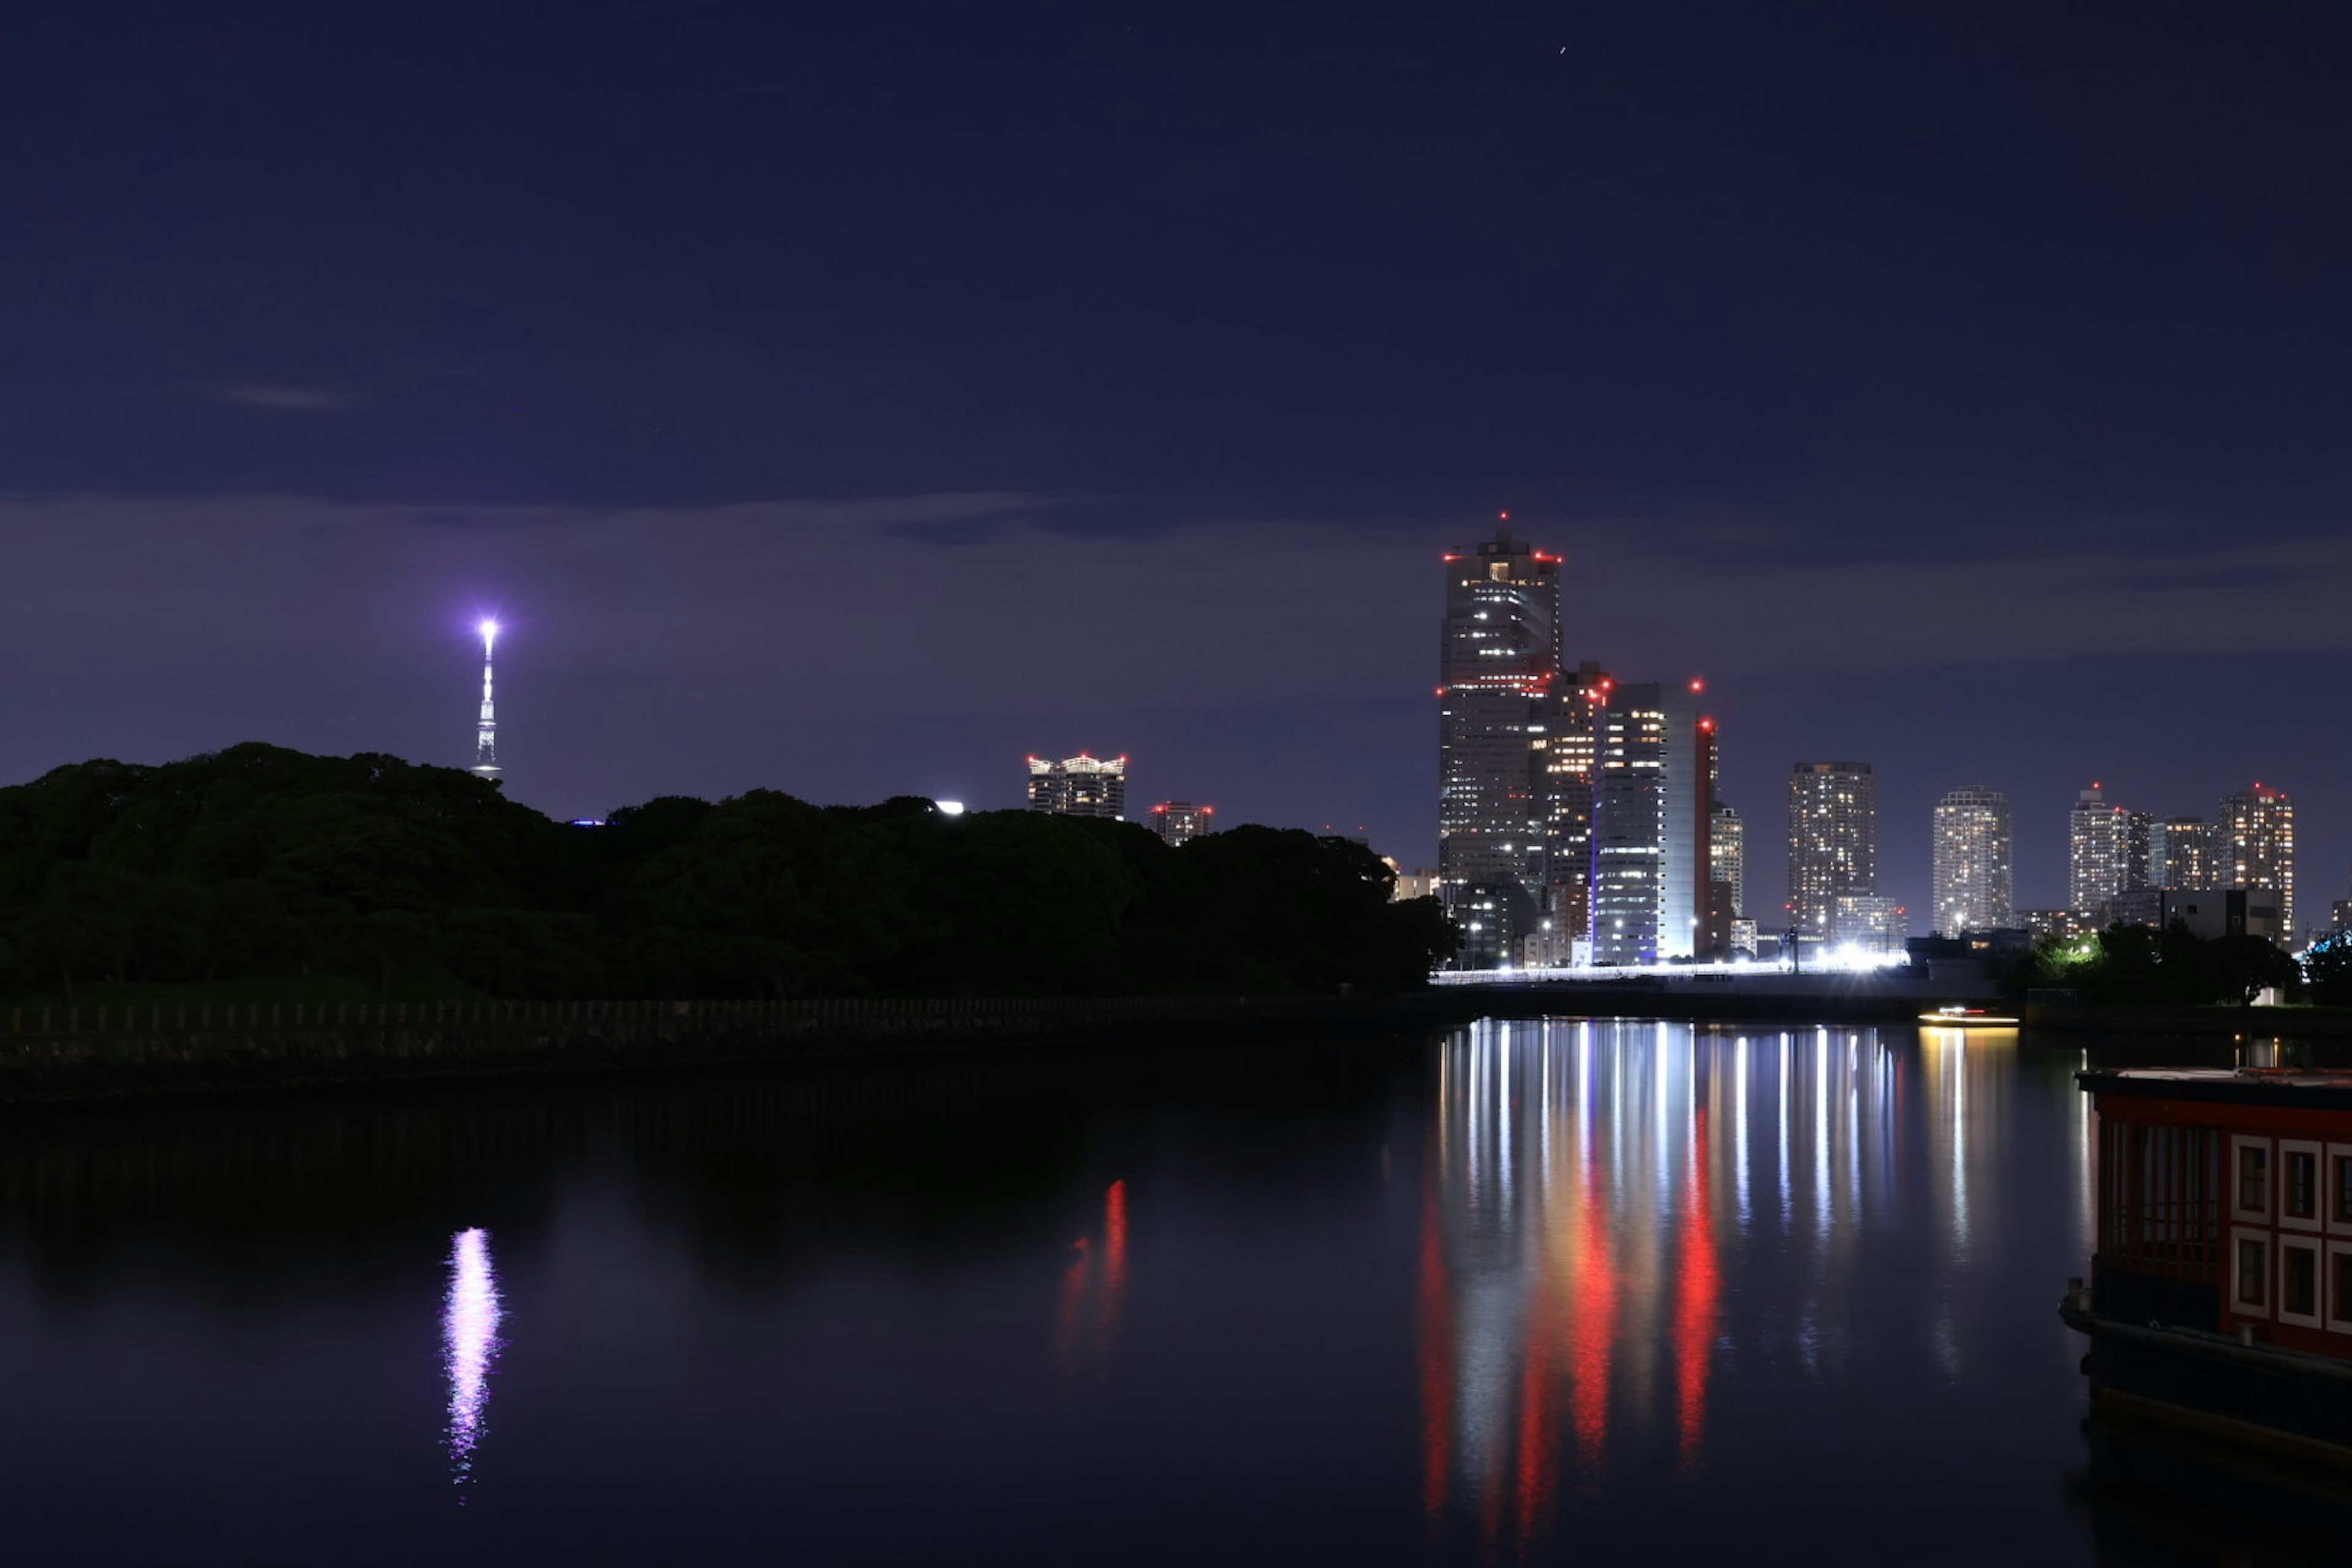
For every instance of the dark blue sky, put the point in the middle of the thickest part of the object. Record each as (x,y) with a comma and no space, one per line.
(849,399)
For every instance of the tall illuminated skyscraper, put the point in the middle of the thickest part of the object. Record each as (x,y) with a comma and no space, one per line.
(485,728)
(1975,862)
(1653,818)
(2254,845)
(1498,674)
(1832,842)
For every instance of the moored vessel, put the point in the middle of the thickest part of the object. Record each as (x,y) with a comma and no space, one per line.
(2220,1293)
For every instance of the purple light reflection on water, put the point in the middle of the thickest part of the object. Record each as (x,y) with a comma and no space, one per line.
(469,1343)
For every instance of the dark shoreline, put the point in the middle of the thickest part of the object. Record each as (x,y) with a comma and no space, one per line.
(132,1055)
(59,1056)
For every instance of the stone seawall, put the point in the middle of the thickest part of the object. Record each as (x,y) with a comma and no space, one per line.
(63,1054)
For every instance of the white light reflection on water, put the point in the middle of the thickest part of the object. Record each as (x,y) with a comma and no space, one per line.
(469,1344)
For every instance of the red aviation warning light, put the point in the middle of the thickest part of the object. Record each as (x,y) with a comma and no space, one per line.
(1697,684)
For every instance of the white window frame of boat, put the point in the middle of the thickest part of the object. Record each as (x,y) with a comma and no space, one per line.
(2236,1307)
(2317,1249)
(2339,1311)
(2335,1226)
(2237,1183)
(2320,1191)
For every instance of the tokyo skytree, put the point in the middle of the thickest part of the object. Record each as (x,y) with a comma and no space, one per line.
(486,729)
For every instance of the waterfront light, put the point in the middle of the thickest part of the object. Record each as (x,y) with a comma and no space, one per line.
(469,1343)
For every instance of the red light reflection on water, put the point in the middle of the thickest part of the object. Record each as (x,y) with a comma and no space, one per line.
(1114,1285)
(1594,1338)
(1094,1288)
(1569,1276)
(1436,1349)
(1695,1295)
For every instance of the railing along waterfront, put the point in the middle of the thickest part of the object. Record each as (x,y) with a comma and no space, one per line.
(147,1049)
(250,1016)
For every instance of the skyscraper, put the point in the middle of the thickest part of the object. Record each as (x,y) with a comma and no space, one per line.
(1975,862)
(1832,841)
(1498,674)
(1079,786)
(2254,845)
(486,726)
(1652,819)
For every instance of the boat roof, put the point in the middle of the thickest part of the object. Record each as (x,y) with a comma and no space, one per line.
(2329,1087)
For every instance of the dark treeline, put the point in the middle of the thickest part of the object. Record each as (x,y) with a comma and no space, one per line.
(261,863)
(2140,966)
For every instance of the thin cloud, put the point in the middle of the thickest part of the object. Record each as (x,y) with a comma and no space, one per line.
(287,398)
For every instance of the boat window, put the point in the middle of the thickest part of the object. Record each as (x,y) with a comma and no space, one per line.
(2299,1198)
(2340,1286)
(2343,1189)
(2253,1271)
(2299,1283)
(2254,1178)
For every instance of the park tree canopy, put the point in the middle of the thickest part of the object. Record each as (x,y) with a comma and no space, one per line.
(259,863)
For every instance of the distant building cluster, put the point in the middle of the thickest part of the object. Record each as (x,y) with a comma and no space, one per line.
(1580,820)
(2129,867)
(2231,875)
(1084,785)
(1578,815)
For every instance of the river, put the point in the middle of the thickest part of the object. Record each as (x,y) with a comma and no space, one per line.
(1577,1292)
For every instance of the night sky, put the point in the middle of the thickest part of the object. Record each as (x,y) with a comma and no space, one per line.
(850,399)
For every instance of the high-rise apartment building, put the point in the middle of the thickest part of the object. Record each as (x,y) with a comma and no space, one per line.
(1975,862)
(2107,852)
(1832,841)
(2181,854)
(1499,704)
(1177,821)
(1079,786)
(1653,815)
(1728,855)
(2254,845)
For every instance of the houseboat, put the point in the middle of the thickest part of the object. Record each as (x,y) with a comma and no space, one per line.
(2221,1295)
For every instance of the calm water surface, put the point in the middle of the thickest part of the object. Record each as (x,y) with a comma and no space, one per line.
(1608,1292)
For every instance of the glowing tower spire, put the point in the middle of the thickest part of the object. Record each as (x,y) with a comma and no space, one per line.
(485,729)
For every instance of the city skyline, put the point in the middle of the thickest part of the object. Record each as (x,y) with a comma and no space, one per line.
(776,490)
